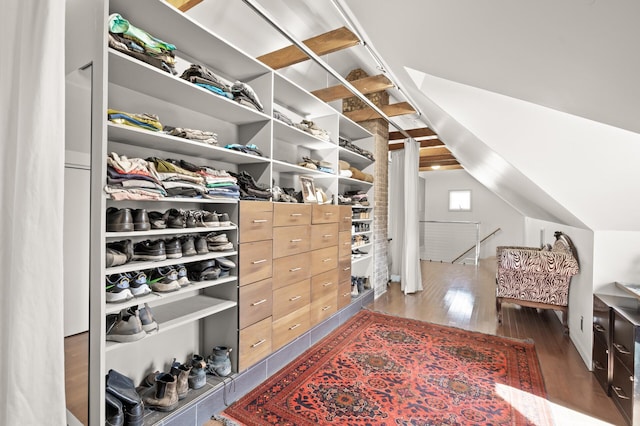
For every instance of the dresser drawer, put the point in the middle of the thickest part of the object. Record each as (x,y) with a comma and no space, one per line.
(324,213)
(256,301)
(345,218)
(290,326)
(623,340)
(256,221)
(291,298)
(287,214)
(324,283)
(291,269)
(324,260)
(255,261)
(601,319)
(622,389)
(255,343)
(325,235)
(344,269)
(323,308)
(344,294)
(600,356)
(344,244)
(289,240)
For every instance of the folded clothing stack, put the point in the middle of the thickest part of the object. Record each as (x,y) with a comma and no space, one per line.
(346,143)
(203,136)
(141,121)
(313,129)
(207,79)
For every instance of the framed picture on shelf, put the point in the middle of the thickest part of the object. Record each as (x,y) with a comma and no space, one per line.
(308,189)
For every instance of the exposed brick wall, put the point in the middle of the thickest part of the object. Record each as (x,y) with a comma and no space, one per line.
(380,130)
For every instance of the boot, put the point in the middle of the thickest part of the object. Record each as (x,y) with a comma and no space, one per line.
(123,388)
(164,396)
(198,375)
(219,363)
(181,371)
(114,414)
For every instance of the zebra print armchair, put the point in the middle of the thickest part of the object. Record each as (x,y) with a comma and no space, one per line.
(537,278)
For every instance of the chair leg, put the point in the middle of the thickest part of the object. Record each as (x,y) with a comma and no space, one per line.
(565,319)
(499,309)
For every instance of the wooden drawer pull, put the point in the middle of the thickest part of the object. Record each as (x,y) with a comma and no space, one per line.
(327,259)
(295,269)
(258,343)
(259,302)
(598,365)
(255,262)
(259,220)
(328,213)
(328,283)
(296,240)
(347,268)
(619,392)
(621,349)
(294,298)
(347,218)
(326,308)
(346,294)
(295,214)
(598,328)
(327,236)
(293,327)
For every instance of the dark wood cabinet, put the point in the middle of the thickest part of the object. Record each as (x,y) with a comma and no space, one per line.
(616,351)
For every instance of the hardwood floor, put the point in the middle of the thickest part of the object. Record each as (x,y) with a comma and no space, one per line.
(463,296)
(459,296)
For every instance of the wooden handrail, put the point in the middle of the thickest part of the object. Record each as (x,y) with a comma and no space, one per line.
(474,246)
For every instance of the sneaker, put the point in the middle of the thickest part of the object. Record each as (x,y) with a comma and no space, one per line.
(115,258)
(149,323)
(182,275)
(125,247)
(189,217)
(119,220)
(117,287)
(149,250)
(174,218)
(157,220)
(173,248)
(138,283)
(225,266)
(209,219)
(140,220)
(220,247)
(124,327)
(218,242)
(206,270)
(163,279)
(201,245)
(223,218)
(188,245)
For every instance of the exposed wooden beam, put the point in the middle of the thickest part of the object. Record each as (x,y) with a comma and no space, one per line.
(440,159)
(323,44)
(183,5)
(392,110)
(414,133)
(450,167)
(423,144)
(434,151)
(375,83)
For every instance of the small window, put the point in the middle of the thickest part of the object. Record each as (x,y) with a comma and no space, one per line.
(460,200)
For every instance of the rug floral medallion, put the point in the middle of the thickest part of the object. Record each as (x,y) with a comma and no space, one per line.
(378,369)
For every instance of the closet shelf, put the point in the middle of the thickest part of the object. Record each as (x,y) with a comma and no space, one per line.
(362,233)
(168,231)
(136,75)
(161,141)
(141,265)
(179,313)
(361,258)
(354,159)
(157,299)
(173,200)
(283,167)
(295,136)
(354,182)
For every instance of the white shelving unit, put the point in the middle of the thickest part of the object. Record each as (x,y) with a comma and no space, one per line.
(204,314)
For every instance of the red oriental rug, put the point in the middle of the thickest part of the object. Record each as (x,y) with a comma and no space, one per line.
(378,369)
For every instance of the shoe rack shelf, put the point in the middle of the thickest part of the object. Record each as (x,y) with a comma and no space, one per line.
(181,312)
(168,231)
(162,298)
(140,265)
(361,232)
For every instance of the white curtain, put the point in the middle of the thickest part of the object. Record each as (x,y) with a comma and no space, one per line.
(404,217)
(32,388)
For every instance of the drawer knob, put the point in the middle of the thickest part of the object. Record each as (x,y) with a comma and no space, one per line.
(621,349)
(294,326)
(326,307)
(296,240)
(294,298)
(346,294)
(347,218)
(328,213)
(327,236)
(258,343)
(328,283)
(327,259)
(347,268)
(598,328)
(295,214)
(259,220)
(255,262)
(295,269)
(619,392)
(259,302)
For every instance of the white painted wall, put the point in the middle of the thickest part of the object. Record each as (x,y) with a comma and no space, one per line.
(486,208)
(581,290)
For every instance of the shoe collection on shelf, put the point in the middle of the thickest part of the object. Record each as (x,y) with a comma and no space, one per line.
(232,129)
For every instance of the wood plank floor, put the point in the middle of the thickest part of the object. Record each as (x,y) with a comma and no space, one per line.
(459,296)
(463,296)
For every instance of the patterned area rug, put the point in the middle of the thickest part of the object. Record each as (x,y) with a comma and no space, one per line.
(382,370)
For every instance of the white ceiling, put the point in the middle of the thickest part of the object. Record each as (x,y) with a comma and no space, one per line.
(578,58)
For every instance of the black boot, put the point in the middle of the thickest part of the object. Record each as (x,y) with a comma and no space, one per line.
(114,411)
(123,388)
